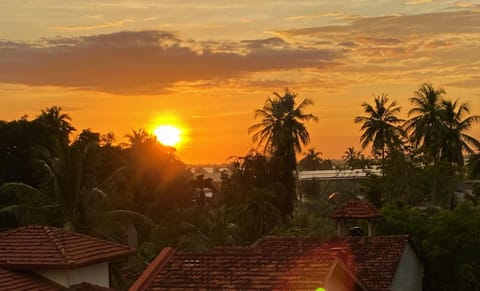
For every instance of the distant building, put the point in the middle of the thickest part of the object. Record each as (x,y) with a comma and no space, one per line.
(466,189)
(327,175)
(321,184)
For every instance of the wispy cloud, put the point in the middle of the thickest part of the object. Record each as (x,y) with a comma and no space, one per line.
(465,4)
(111,24)
(415,2)
(465,21)
(310,16)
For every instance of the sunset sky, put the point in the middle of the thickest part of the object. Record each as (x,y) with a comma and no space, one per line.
(116,65)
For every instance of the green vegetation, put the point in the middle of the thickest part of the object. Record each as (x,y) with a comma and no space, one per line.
(141,193)
(282,133)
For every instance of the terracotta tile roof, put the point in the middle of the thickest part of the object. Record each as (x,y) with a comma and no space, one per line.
(25,280)
(356,209)
(243,269)
(278,263)
(373,260)
(48,247)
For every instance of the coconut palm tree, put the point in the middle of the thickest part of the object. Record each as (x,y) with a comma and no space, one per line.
(353,158)
(59,123)
(454,140)
(282,123)
(426,125)
(282,133)
(311,160)
(381,126)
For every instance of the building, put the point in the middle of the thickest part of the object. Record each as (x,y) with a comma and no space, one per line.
(353,211)
(49,258)
(328,175)
(295,263)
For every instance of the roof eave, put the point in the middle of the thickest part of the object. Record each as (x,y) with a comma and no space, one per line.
(24,266)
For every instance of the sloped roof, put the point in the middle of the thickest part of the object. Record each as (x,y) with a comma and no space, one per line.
(25,280)
(246,268)
(49,247)
(276,262)
(374,260)
(356,209)
(243,269)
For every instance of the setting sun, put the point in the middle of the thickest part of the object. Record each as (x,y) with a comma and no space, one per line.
(167,135)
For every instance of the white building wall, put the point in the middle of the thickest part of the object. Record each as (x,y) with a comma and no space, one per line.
(341,280)
(96,274)
(409,273)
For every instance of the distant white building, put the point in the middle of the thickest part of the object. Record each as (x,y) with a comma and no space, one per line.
(327,175)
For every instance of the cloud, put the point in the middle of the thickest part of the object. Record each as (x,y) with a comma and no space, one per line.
(348,43)
(464,4)
(398,38)
(464,21)
(415,2)
(378,41)
(437,43)
(303,17)
(146,61)
(472,82)
(111,24)
(268,43)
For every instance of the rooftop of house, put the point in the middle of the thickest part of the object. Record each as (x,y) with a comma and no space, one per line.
(373,260)
(25,280)
(45,247)
(278,263)
(356,209)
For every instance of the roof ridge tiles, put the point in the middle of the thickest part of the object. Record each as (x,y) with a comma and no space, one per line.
(59,244)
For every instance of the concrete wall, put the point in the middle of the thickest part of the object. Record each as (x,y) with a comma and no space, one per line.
(409,273)
(96,274)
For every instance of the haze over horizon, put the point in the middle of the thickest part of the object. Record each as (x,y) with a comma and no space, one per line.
(205,67)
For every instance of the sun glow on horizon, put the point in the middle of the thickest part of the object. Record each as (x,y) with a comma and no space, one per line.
(168,135)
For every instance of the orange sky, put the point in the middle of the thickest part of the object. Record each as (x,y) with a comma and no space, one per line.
(122,65)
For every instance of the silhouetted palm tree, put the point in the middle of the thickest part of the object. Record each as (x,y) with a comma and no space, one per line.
(380,126)
(58,122)
(311,160)
(350,154)
(353,158)
(282,123)
(454,140)
(425,126)
(282,133)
